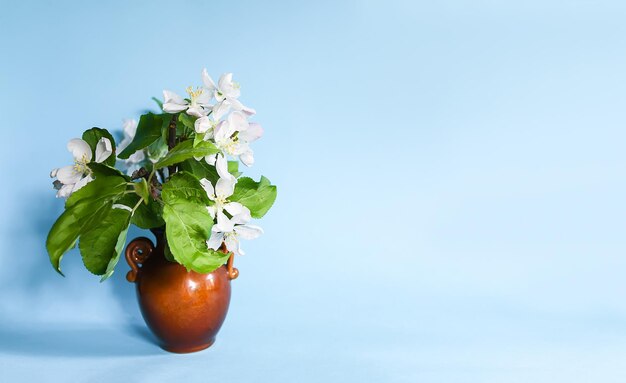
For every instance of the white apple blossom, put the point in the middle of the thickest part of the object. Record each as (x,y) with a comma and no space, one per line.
(73,177)
(233,135)
(226,88)
(197,105)
(222,108)
(227,230)
(224,188)
(205,125)
(133,162)
(226,93)
(231,238)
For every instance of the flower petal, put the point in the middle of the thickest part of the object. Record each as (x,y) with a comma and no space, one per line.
(216,240)
(174,98)
(208,188)
(220,109)
(211,210)
(241,214)
(210,159)
(130,127)
(103,149)
(232,244)
(221,165)
(65,191)
(208,81)
(202,124)
(196,111)
(173,108)
(238,148)
(253,133)
(81,151)
(247,158)
(238,121)
(225,187)
(225,80)
(234,208)
(248,231)
(235,104)
(223,131)
(224,224)
(68,175)
(82,182)
(173,103)
(204,98)
(227,86)
(248,111)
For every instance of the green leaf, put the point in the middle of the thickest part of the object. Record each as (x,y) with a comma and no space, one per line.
(185,124)
(233,168)
(149,216)
(146,216)
(210,261)
(100,245)
(188,223)
(188,128)
(168,253)
(187,228)
(198,138)
(157,149)
(148,131)
(185,186)
(68,227)
(200,169)
(107,186)
(105,170)
(84,208)
(93,135)
(184,151)
(142,189)
(187,120)
(256,196)
(119,247)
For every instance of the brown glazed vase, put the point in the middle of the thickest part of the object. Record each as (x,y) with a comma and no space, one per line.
(184,309)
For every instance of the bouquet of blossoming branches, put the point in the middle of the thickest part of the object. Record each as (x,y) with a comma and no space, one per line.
(178,176)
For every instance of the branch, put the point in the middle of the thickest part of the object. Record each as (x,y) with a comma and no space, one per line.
(171,140)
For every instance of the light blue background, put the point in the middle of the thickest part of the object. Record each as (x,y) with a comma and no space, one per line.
(451,188)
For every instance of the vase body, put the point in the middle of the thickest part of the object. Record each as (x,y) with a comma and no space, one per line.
(184,309)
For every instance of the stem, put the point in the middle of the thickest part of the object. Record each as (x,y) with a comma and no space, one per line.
(150,177)
(136,206)
(171,140)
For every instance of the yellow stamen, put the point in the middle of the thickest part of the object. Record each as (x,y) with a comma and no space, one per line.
(80,165)
(193,94)
(230,146)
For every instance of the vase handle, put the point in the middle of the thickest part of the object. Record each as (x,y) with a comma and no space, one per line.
(137,252)
(233,273)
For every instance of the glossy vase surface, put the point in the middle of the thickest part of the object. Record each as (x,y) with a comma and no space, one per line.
(184,309)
